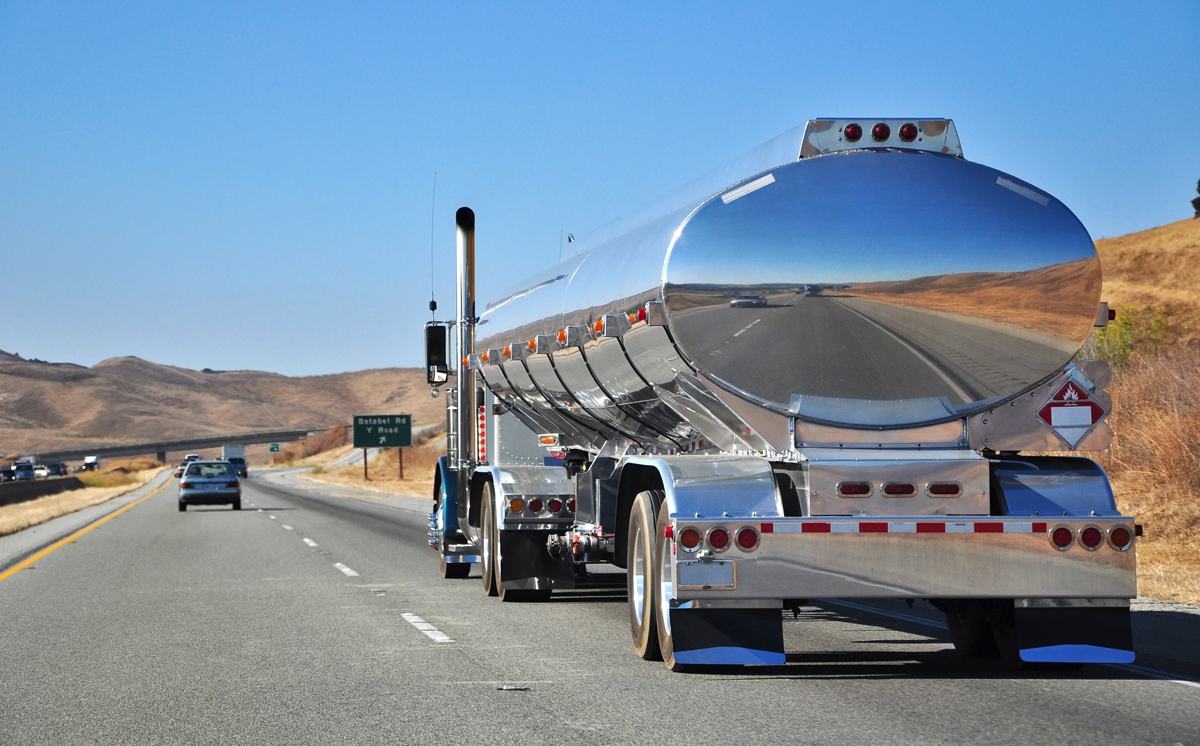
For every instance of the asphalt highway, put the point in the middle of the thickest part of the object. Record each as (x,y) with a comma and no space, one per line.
(316,615)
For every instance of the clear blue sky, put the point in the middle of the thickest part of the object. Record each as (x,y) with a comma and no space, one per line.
(265,170)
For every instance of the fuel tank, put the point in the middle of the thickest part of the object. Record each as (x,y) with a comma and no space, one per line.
(876,288)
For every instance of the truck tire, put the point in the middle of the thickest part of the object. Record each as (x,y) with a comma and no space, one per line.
(455,570)
(664,590)
(642,572)
(489,541)
(971,630)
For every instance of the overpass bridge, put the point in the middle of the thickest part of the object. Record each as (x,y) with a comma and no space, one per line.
(160,448)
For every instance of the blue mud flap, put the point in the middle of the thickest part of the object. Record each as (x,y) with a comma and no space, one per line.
(728,637)
(450,503)
(1075,634)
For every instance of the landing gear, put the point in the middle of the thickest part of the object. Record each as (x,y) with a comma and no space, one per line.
(642,576)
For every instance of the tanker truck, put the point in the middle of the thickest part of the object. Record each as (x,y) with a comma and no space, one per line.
(909,432)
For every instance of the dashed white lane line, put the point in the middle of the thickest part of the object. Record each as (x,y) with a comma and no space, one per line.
(752,323)
(345,570)
(310,542)
(286,527)
(430,631)
(273,518)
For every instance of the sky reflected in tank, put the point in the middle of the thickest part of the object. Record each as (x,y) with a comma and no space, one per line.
(916,285)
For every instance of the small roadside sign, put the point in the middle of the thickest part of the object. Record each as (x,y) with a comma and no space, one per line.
(382,431)
(273,448)
(1071,413)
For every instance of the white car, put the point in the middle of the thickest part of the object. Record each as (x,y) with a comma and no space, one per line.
(41,471)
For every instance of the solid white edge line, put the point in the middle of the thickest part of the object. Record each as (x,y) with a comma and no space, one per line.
(427,629)
(1133,668)
(345,570)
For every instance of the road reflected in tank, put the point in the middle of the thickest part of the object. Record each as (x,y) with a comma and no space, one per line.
(888,287)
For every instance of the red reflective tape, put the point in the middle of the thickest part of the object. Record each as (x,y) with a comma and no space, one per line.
(814,528)
(931,528)
(873,528)
(766,528)
(1039,528)
(989,528)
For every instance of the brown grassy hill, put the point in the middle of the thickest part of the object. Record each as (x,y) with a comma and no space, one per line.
(1158,267)
(50,406)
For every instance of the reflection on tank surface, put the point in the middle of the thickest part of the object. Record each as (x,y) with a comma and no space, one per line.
(916,286)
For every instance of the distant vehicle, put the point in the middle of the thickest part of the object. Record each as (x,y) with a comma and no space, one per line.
(236,455)
(23,471)
(90,463)
(179,469)
(210,483)
(7,474)
(812,290)
(192,457)
(41,471)
(58,469)
(749,300)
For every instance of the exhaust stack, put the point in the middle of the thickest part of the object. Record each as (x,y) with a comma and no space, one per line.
(464,221)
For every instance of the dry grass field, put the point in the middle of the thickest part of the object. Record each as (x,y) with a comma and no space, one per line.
(115,480)
(1152,278)
(384,470)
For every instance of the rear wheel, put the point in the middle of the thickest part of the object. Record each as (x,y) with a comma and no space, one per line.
(237,504)
(488,541)
(665,591)
(642,572)
(182,506)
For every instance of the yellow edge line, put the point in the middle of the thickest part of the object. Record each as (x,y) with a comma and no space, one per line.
(17,568)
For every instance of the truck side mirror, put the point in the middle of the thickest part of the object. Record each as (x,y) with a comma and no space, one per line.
(437,367)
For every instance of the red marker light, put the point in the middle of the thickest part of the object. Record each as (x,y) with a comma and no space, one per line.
(1091,537)
(908,132)
(1119,538)
(641,314)
(554,504)
(1062,537)
(718,539)
(747,538)
(854,489)
(899,489)
(881,132)
(944,489)
(536,505)
(668,532)
(852,133)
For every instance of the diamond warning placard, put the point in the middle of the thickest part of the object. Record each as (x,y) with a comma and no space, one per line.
(1070,413)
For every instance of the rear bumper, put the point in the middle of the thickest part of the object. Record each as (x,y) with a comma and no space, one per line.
(908,558)
(209,497)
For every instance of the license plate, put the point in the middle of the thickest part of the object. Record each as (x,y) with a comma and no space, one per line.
(706,575)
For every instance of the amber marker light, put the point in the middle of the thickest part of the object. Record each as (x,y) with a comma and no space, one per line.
(690,539)
(468,362)
(598,327)
(508,352)
(532,345)
(516,505)
(484,357)
(562,337)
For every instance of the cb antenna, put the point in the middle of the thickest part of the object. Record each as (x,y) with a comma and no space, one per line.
(432,225)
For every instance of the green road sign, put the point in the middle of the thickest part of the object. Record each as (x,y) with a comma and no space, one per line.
(382,430)
(273,448)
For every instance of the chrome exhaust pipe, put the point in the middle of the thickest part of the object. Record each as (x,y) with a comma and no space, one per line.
(464,220)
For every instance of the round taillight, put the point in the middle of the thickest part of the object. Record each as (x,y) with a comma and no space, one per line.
(854,489)
(571,505)
(689,539)
(1119,538)
(908,132)
(516,505)
(554,504)
(536,505)
(718,539)
(852,132)
(881,132)
(1062,537)
(747,538)
(1091,537)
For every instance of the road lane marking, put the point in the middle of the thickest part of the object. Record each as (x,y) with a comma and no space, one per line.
(430,631)
(70,539)
(345,570)
(310,542)
(1141,670)
(286,527)
(752,323)
(273,518)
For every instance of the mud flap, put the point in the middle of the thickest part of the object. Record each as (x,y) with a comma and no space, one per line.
(1100,634)
(727,637)
(528,566)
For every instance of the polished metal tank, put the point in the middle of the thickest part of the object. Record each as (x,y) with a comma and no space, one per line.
(891,286)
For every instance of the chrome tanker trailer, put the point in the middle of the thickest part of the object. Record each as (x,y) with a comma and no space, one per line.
(832,368)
